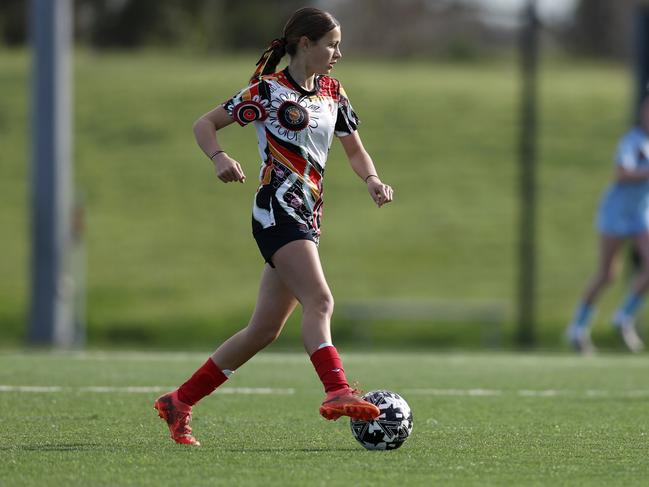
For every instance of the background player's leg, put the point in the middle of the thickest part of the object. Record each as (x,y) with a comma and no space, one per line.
(578,334)
(606,270)
(624,318)
(641,282)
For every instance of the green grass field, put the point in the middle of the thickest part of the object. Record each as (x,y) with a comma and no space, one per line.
(170,256)
(479,419)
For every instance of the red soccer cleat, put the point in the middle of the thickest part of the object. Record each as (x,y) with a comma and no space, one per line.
(178,415)
(346,402)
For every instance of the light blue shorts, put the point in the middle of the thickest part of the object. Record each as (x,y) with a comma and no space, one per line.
(621,220)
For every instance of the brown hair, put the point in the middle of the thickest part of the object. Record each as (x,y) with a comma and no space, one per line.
(308,21)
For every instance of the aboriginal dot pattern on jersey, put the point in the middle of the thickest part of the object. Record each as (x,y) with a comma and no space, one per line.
(295,128)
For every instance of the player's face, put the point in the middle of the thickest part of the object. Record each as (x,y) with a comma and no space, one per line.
(323,54)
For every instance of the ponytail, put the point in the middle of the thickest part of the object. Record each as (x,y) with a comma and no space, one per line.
(269,60)
(308,21)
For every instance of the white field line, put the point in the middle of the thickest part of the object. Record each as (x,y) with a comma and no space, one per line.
(493,360)
(590,393)
(544,393)
(142,389)
(454,392)
(191,357)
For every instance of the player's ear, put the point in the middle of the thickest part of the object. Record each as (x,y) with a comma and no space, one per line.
(304,42)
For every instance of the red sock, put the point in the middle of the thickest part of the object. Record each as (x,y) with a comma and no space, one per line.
(329,367)
(207,378)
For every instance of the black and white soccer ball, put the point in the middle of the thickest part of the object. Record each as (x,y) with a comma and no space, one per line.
(391,428)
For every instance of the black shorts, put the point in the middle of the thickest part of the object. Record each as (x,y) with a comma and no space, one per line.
(270,240)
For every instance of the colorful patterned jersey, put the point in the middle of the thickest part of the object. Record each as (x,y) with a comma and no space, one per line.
(295,128)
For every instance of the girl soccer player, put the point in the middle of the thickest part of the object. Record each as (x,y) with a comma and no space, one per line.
(296,112)
(623,215)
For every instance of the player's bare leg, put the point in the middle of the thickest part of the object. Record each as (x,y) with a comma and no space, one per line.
(578,332)
(624,318)
(298,265)
(606,267)
(274,305)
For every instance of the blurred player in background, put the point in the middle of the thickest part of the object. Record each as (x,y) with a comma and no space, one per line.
(296,112)
(623,215)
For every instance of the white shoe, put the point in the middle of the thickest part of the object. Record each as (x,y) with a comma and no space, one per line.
(579,339)
(625,326)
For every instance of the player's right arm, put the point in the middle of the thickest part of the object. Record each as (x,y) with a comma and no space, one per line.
(205,128)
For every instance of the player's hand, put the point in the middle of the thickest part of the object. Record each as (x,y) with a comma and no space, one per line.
(380,193)
(227,169)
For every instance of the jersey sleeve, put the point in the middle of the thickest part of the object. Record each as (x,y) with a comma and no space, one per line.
(346,119)
(247,105)
(628,152)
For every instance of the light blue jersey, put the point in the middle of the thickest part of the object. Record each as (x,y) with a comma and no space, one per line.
(624,208)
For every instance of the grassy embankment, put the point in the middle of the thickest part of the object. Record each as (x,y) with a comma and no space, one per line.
(170,258)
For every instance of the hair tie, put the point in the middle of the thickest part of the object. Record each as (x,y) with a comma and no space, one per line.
(263,60)
(278,43)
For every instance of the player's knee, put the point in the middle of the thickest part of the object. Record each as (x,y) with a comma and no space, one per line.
(269,336)
(608,277)
(643,275)
(263,335)
(321,303)
(605,277)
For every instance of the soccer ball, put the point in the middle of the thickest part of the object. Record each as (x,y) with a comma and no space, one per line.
(391,428)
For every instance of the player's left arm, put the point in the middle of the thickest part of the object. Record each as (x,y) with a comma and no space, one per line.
(362,164)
